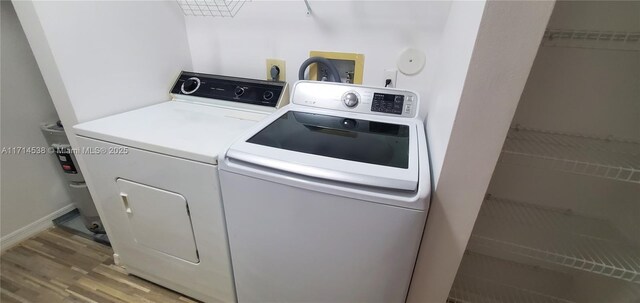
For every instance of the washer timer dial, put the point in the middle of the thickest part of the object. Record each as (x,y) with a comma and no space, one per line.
(350,99)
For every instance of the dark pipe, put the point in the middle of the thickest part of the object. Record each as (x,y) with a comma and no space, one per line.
(334,75)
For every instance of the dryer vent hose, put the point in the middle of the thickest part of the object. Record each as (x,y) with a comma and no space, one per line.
(334,75)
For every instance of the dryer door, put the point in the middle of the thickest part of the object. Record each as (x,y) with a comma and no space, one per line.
(159,219)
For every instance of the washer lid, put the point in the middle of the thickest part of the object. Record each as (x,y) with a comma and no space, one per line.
(182,129)
(364,141)
(350,150)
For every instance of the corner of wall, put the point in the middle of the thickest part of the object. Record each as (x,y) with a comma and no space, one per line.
(32,228)
(507,42)
(457,45)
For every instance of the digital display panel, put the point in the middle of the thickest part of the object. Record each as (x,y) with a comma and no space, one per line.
(387,103)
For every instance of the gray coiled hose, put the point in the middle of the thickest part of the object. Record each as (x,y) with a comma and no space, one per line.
(334,75)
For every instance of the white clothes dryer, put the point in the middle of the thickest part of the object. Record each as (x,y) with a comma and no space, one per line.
(155,179)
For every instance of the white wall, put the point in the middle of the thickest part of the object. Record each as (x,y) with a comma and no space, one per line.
(281,29)
(99,58)
(459,38)
(32,185)
(505,47)
(104,57)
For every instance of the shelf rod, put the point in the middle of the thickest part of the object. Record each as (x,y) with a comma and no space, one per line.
(309,11)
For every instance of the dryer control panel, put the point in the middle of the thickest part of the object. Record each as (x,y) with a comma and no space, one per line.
(356,98)
(232,89)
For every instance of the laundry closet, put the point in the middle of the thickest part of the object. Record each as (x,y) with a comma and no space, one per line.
(559,222)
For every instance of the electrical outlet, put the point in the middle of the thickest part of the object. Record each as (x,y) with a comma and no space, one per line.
(282,76)
(390,74)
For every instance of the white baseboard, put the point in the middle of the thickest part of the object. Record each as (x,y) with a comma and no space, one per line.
(32,229)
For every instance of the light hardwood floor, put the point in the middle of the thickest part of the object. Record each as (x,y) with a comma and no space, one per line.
(57,266)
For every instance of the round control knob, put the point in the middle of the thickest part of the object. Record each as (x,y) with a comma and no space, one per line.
(190,85)
(350,100)
(267,95)
(239,91)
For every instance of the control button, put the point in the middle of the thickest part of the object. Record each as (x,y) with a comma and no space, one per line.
(350,99)
(349,123)
(267,95)
(407,109)
(66,167)
(190,85)
(239,91)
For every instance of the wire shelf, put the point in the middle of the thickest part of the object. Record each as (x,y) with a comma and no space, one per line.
(211,8)
(555,237)
(476,282)
(472,290)
(592,39)
(609,158)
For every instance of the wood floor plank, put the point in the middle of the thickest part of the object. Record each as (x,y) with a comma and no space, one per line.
(89,294)
(8,285)
(37,265)
(74,299)
(7,296)
(45,283)
(75,246)
(57,266)
(107,272)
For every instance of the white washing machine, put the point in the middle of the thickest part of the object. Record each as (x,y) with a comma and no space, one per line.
(155,179)
(326,199)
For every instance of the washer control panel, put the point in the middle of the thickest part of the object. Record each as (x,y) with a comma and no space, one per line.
(233,89)
(387,103)
(356,98)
